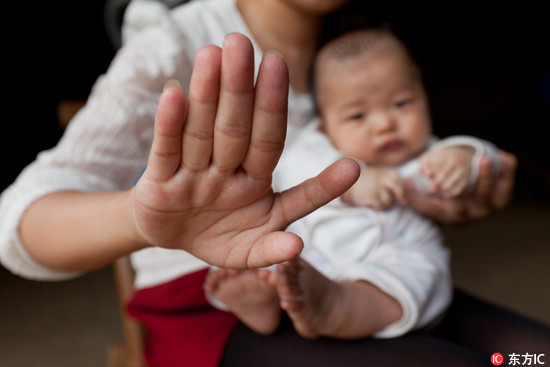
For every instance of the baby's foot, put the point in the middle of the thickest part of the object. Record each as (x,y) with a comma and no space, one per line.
(249,294)
(309,298)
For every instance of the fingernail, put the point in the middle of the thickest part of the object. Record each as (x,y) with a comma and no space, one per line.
(273,51)
(171,83)
(229,35)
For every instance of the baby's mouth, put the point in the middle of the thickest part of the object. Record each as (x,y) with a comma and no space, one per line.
(392,145)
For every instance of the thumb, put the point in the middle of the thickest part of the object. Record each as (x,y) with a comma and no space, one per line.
(274,248)
(310,195)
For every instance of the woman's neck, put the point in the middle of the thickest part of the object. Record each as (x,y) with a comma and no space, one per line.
(276,25)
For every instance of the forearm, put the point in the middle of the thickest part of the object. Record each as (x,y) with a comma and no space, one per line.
(76,231)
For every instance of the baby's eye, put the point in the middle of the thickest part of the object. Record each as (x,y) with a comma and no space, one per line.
(403,103)
(357,116)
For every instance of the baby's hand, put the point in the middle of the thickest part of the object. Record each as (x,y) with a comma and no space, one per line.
(378,188)
(449,169)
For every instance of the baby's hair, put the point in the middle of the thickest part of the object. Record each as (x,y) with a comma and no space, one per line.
(355,42)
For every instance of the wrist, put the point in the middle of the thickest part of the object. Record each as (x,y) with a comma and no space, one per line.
(135,239)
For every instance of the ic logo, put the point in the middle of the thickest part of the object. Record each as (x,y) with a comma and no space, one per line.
(497,359)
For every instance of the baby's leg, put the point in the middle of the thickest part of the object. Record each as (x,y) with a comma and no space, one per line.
(249,294)
(319,306)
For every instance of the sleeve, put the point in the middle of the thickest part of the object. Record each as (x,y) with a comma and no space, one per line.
(106,145)
(481,147)
(411,170)
(411,264)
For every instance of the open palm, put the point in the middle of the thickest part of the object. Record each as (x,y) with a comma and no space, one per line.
(207,186)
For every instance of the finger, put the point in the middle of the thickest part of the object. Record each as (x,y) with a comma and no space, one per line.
(385,200)
(418,200)
(203,101)
(450,211)
(426,165)
(274,248)
(438,176)
(270,117)
(506,180)
(301,200)
(165,155)
(454,184)
(479,206)
(234,116)
(442,169)
(385,195)
(397,188)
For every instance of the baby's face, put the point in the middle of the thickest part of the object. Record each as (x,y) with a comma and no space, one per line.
(374,107)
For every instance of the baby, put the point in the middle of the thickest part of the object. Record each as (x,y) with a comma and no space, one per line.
(374,109)
(377,268)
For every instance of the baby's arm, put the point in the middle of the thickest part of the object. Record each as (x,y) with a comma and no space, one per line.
(377,187)
(449,169)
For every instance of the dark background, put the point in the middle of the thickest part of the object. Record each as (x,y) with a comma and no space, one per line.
(55,51)
(487,72)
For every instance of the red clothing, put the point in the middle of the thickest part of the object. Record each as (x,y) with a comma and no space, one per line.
(183,329)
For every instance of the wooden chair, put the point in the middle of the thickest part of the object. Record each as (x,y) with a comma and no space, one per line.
(129,353)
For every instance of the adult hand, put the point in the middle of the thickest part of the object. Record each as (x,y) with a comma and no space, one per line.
(207,186)
(491,193)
